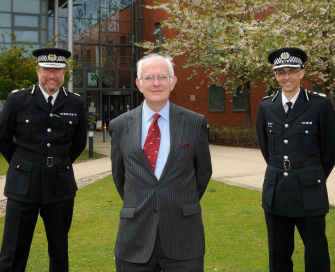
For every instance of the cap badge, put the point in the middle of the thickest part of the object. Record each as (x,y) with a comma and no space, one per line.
(285,55)
(52,57)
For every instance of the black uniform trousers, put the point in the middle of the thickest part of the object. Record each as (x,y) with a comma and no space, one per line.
(158,262)
(281,242)
(20,223)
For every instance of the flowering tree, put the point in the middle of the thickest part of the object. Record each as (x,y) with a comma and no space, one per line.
(230,40)
(217,36)
(309,25)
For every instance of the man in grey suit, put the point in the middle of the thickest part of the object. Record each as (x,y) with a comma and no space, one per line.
(161,167)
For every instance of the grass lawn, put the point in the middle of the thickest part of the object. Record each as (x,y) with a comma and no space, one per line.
(82,158)
(235,229)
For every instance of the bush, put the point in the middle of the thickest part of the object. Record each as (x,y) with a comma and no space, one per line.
(233,136)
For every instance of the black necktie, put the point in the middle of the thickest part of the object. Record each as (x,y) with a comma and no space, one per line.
(49,101)
(289,104)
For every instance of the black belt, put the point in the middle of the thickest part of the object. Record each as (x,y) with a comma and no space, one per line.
(294,164)
(44,161)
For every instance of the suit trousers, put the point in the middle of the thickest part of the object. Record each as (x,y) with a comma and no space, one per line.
(281,242)
(20,224)
(158,262)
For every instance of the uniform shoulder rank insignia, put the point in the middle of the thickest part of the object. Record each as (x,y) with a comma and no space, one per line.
(322,94)
(77,94)
(14,91)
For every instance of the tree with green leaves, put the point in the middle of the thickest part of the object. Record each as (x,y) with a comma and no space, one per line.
(17,67)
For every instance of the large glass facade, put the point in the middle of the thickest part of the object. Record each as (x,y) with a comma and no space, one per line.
(103,50)
(27,19)
(103,35)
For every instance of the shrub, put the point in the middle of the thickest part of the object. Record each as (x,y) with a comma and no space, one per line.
(233,136)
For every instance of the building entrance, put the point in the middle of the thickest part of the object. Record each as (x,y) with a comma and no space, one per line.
(114,105)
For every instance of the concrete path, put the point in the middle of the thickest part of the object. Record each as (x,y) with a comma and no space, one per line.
(236,166)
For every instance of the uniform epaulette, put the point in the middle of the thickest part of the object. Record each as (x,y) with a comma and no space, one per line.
(76,94)
(267,97)
(22,90)
(317,94)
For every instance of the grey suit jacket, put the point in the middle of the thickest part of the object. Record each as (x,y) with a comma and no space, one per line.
(170,203)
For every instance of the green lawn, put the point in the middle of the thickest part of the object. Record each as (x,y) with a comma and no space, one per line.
(82,158)
(236,237)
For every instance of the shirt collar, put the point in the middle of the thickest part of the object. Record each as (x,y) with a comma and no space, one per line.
(46,95)
(164,113)
(285,100)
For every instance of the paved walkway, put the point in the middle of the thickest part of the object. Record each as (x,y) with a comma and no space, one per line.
(237,166)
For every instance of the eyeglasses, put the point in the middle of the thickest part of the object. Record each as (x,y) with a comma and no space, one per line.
(150,79)
(282,73)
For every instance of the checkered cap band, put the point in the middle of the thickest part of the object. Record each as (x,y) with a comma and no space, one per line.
(52,65)
(44,58)
(291,60)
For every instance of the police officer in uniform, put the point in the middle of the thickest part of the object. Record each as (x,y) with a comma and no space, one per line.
(296,129)
(49,125)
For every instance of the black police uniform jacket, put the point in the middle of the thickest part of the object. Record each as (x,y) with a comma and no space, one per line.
(41,133)
(300,153)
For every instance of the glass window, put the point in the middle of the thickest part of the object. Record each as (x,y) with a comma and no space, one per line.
(159,36)
(238,100)
(124,79)
(93,106)
(108,79)
(92,78)
(26,36)
(86,55)
(317,89)
(8,38)
(217,98)
(44,22)
(78,78)
(273,90)
(44,7)
(6,6)
(5,19)
(26,6)
(44,37)
(25,21)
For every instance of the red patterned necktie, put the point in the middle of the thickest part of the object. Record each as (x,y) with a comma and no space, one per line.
(152,142)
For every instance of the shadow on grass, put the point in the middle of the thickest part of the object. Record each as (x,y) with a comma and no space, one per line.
(234,223)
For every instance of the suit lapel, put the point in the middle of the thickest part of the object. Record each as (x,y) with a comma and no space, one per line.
(135,134)
(278,108)
(39,99)
(176,132)
(299,106)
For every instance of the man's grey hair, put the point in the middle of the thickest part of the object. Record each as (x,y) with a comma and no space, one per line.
(168,60)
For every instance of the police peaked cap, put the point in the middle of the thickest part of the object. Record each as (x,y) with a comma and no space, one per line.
(51,57)
(290,57)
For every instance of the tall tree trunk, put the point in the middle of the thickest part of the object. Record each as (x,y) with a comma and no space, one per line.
(247,93)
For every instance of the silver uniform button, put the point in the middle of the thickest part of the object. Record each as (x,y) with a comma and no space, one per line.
(285,141)
(270,131)
(49,129)
(285,174)
(67,167)
(287,125)
(306,131)
(18,166)
(51,115)
(27,121)
(48,144)
(319,181)
(70,122)
(285,158)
